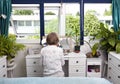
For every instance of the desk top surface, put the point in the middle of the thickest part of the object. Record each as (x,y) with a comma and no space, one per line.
(72,54)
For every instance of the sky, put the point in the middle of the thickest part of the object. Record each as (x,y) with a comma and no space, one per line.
(99,8)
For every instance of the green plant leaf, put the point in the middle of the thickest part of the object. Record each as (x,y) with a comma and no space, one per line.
(93,52)
(103,42)
(111,41)
(118,48)
(94,48)
(9,47)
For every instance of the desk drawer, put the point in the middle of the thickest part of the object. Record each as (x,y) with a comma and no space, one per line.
(114,61)
(34,70)
(111,77)
(115,71)
(2,63)
(3,73)
(77,61)
(33,62)
(76,69)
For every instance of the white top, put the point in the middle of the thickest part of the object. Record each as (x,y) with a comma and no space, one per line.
(94,59)
(80,54)
(53,59)
(35,56)
(113,53)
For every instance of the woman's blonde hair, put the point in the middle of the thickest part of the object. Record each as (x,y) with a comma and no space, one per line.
(52,39)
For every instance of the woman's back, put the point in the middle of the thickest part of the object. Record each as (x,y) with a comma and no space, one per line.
(52,60)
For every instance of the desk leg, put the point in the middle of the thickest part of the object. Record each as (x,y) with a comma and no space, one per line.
(65,68)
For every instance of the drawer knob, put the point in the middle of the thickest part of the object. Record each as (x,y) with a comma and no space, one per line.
(109,68)
(118,76)
(119,65)
(77,70)
(35,71)
(76,61)
(109,77)
(109,58)
(34,62)
(3,66)
(4,75)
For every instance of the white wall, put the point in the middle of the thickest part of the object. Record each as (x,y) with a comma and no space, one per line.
(20,69)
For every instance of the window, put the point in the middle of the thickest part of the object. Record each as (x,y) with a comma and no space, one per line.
(73,21)
(51,12)
(93,15)
(56,16)
(107,22)
(26,18)
(36,23)
(20,23)
(26,23)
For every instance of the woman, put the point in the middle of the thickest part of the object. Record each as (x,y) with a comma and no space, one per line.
(52,57)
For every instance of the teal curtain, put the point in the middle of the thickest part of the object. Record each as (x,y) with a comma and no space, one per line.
(5,10)
(116,14)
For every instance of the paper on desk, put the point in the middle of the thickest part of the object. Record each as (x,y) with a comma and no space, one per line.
(64,43)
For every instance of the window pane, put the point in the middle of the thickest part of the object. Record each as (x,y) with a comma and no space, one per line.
(94,14)
(20,23)
(15,23)
(51,18)
(36,23)
(28,23)
(23,18)
(73,21)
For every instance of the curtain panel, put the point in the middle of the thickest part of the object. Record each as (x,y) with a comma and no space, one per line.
(116,14)
(5,13)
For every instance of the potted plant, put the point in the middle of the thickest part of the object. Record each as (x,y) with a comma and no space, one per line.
(94,53)
(77,39)
(73,31)
(9,47)
(109,39)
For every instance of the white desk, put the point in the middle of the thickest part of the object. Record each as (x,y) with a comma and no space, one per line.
(94,67)
(72,54)
(34,65)
(76,64)
(3,67)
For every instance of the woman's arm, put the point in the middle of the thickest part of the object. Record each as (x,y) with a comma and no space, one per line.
(62,57)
